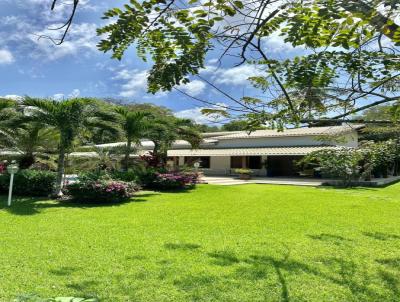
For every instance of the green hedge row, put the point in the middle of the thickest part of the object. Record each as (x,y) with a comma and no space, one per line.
(29,183)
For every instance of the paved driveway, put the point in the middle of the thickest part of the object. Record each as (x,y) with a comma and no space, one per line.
(229,181)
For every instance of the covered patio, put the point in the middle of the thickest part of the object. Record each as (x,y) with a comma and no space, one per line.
(264,162)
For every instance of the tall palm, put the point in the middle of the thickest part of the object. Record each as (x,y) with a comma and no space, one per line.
(133,124)
(69,118)
(8,113)
(163,131)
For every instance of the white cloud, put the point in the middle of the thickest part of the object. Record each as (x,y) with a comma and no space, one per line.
(74,94)
(233,76)
(82,39)
(13,97)
(135,81)
(6,57)
(196,115)
(276,44)
(61,96)
(194,88)
(58,96)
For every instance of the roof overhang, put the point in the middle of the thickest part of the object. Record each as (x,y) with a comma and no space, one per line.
(304,150)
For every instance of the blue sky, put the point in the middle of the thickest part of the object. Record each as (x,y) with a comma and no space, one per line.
(38,68)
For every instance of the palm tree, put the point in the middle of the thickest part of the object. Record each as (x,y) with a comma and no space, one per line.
(133,124)
(8,114)
(33,139)
(69,118)
(163,131)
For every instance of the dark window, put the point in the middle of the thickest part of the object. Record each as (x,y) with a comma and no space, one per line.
(204,161)
(236,162)
(254,162)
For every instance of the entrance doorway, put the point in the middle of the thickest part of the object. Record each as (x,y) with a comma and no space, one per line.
(282,165)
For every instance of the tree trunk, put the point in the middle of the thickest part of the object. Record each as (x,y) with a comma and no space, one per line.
(60,171)
(127,152)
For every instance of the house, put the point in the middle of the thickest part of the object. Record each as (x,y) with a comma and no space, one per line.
(223,152)
(266,152)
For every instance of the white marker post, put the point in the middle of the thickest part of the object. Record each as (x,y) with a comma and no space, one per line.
(196,166)
(12,169)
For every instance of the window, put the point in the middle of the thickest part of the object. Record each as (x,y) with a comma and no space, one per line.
(236,162)
(254,162)
(204,161)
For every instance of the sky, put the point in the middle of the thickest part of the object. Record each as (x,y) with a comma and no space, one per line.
(38,68)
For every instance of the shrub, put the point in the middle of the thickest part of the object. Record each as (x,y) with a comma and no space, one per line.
(128,176)
(29,183)
(101,190)
(174,180)
(244,171)
(343,163)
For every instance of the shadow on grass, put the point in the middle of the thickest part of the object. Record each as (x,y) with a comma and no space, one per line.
(182,246)
(25,206)
(392,283)
(357,189)
(381,236)
(335,239)
(175,191)
(393,263)
(224,258)
(83,286)
(63,271)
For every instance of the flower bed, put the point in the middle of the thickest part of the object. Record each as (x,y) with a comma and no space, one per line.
(101,191)
(174,180)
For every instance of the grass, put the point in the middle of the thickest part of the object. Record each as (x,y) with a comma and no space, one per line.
(214,243)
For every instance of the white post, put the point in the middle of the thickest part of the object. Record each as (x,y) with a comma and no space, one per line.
(10,189)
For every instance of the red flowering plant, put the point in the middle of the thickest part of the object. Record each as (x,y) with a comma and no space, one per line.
(3,168)
(151,160)
(175,180)
(101,190)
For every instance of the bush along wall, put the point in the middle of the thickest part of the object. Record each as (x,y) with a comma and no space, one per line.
(29,183)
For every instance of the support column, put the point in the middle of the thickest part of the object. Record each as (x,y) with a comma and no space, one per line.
(263,171)
(244,162)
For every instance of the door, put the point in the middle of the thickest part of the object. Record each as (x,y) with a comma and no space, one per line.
(282,165)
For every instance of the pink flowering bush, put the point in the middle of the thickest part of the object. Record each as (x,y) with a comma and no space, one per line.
(101,191)
(175,180)
(3,168)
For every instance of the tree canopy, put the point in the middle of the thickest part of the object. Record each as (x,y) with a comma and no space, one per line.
(350,63)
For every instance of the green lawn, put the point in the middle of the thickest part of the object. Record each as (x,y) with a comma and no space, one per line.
(214,243)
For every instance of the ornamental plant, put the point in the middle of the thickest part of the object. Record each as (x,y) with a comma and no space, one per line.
(343,164)
(101,191)
(174,180)
(244,171)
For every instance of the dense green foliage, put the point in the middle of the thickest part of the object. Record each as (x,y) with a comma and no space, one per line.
(133,125)
(353,50)
(29,183)
(348,164)
(69,118)
(42,133)
(257,243)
